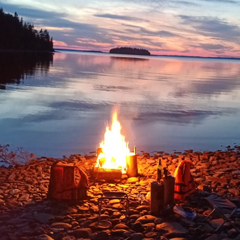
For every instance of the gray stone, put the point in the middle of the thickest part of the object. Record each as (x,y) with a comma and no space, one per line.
(216,222)
(65,226)
(44,237)
(103,235)
(234,191)
(42,217)
(12,176)
(101,225)
(121,226)
(17,221)
(132,180)
(136,236)
(146,219)
(137,227)
(24,197)
(151,234)
(179,238)
(82,232)
(85,223)
(118,232)
(214,237)
(143,207)
(14,191)
(149,225)
(69,238)
(187,223)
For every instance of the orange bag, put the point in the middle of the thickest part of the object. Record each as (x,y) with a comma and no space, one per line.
(184,184)
(67,181)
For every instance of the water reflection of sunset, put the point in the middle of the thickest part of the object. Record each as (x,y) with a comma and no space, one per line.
(140,76)
(165,103)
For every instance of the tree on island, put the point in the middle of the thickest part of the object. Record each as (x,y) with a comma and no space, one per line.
(16,35)
(129,50)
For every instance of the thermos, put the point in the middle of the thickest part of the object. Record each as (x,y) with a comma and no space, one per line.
(168,183)
(162,190)
(157,197)
(132,167)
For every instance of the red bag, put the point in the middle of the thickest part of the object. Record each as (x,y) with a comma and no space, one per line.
(67,182)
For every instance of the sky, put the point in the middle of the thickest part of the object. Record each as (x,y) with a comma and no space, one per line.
(207,28)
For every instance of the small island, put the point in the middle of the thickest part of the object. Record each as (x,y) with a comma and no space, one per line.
(129,50)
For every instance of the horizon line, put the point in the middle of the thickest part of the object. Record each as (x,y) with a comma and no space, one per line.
(160,55)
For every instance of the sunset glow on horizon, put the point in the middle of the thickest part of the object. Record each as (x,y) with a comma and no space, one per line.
(188,28)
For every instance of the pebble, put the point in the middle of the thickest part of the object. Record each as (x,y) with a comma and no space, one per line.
(146,219)
(25,208)
(82,232)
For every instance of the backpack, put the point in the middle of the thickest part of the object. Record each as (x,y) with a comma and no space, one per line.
(67,182)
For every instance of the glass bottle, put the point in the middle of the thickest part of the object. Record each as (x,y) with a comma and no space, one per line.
(159,170)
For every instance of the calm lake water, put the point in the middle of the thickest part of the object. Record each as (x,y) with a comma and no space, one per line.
(61,106)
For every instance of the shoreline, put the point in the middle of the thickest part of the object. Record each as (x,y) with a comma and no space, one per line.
(24,203)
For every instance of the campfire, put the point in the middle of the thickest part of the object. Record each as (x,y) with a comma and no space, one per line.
(114,156)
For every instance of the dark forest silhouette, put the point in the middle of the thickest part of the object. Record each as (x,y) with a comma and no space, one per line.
(17,66)
(17,35)
(129,50)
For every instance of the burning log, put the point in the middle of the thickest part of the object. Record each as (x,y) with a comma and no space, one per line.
(107,173)
(113,155)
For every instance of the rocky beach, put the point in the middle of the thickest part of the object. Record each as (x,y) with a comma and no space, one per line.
(27,213)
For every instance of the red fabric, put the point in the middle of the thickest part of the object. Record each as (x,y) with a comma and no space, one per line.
(67,181)
(184,184)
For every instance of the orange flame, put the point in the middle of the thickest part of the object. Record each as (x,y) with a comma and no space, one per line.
(114,149)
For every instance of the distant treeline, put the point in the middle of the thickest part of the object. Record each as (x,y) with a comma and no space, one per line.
(17,35)
(128,50)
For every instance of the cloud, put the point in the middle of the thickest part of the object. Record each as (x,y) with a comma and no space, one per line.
(145,31)
(161,33)
(214,27)
(222,1)
(59,43)
(145,23)
(120,17)
(210,47)
(85,30)
(57,21)
(29,12)
(187,3)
